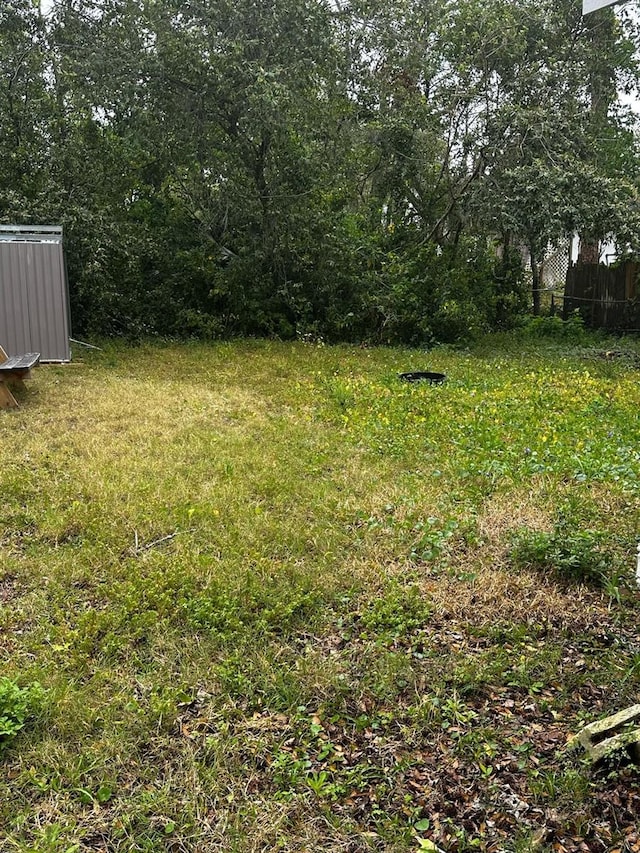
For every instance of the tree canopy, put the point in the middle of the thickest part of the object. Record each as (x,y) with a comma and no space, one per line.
(352,169)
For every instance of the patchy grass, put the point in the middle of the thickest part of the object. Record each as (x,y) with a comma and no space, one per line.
(261,596)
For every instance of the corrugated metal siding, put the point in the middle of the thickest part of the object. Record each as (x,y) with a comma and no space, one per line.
(34,310)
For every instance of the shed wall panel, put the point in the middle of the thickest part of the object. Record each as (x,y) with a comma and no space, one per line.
(34,314)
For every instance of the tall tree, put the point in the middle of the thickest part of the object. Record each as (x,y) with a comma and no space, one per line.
(283,167)
(24,109)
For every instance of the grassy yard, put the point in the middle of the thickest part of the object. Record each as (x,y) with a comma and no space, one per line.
(261,596)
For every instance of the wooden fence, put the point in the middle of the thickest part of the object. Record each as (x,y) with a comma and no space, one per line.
(606,297)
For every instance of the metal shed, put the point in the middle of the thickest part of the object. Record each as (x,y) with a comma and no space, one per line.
(34,292)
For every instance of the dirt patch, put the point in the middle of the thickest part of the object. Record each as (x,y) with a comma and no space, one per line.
(8,589)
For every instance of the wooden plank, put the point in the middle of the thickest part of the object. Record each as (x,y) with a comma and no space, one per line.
(7,400)
(14,370)
(601,294)
(20,363)
(630,282)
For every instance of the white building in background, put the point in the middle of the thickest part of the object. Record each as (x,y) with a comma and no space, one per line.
(554,266)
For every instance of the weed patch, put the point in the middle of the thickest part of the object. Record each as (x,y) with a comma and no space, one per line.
(572,554)
(17,704)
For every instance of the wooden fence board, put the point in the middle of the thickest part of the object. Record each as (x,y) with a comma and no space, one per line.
(606,297)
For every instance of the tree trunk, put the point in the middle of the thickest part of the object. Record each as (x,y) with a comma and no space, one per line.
(601,28)
(588,251)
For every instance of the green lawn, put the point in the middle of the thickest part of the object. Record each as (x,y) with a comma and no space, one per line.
(265,596)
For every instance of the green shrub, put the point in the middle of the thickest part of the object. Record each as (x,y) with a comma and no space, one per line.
(573,555)
(570,330)
(425,293)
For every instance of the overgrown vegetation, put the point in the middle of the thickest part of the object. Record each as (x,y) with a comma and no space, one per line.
(349,171)
(278,599)
(571,550)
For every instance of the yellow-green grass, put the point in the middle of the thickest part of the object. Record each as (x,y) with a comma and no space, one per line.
(275,598)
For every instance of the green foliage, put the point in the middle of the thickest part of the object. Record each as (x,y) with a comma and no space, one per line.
(275,607)
(571,330)
(238,171)
(570,553)
(17,704)
(400,611)
(424,294)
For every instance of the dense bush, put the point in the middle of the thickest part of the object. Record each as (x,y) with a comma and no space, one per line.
(425,293)
(335,281)
(571,330)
